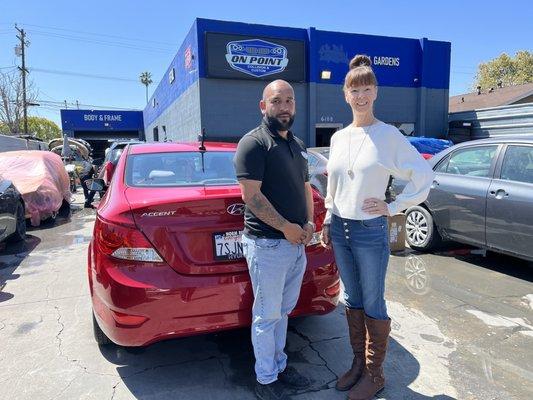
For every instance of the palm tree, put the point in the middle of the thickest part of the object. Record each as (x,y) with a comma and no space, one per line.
(146,79)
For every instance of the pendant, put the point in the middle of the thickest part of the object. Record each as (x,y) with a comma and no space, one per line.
(350,173)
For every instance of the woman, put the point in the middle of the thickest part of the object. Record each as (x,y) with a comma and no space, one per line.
(362,157)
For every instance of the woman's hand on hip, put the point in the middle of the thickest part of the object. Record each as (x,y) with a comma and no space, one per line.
(375,207)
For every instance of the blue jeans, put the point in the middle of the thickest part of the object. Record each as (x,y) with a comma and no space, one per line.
(276,269)
(362,254)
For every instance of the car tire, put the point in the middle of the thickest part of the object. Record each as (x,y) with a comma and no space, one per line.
(99,336)
(420,230)
(20,232)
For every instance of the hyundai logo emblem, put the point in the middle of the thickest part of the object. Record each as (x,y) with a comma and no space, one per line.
(236,209)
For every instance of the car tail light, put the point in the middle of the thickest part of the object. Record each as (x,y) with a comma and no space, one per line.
(124,242)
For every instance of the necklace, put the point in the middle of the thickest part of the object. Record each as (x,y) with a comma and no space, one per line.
(351,164)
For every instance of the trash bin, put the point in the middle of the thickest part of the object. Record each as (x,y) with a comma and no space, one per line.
(397,233)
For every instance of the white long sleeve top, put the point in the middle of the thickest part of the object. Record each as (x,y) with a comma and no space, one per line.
(373,153)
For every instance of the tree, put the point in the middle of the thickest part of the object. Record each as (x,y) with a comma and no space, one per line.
(146,79)
(11,104)
(505,71)
(43,128)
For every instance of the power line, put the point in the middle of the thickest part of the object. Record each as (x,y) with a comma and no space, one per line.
(102,42)
(61,104)
(102,35)
(57,105)
(94,76)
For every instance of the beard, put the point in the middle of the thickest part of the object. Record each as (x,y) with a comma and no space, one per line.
(276,124)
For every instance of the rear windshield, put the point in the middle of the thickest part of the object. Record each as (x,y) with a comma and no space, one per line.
(180,169)
(325,152)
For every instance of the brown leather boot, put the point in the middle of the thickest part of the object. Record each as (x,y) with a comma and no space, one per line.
(357,331)
(372,380)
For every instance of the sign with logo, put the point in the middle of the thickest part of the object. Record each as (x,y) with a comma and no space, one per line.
(245,57)
(256,57)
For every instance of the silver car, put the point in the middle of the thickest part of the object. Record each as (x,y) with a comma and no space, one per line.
(482,195)
(317,158)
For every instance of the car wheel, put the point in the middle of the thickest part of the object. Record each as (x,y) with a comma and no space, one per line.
(20,232)
(99,335)
(420,230)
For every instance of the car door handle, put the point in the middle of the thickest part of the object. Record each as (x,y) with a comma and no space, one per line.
(434,184)
(499,194)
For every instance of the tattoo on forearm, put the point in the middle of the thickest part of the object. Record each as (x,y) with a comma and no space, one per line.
(262,208)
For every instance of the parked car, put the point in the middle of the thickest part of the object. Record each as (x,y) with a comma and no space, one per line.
(41,179)
(12,214)
(112,155)
(166,258)
(482,195)
(317,158)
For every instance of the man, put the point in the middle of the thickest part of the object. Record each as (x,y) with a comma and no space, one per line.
(271,165)
(87,172)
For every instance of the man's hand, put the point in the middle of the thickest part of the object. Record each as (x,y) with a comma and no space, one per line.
(309,230)
(294,233)
(325,238)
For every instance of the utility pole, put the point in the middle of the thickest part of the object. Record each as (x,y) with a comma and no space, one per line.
(24,71)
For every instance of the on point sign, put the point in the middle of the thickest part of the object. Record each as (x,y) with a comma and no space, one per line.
(256,57)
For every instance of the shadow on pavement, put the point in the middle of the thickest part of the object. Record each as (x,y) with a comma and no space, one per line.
(221,366)
(11,256)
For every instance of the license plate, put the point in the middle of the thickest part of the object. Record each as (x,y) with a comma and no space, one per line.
(227,245)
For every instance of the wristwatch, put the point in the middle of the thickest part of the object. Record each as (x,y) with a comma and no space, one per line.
(312,224)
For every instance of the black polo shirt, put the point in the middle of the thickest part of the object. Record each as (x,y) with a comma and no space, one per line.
(281,165)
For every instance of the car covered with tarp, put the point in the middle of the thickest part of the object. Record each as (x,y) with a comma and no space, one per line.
(429,146)
(42,180)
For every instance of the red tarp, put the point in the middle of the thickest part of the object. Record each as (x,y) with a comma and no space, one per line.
(40,177)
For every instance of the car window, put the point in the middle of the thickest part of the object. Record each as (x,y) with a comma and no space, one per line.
(442,165)
(181,169)
(324,152)
(115,154)
(312,160)
(518,164)
(475,161)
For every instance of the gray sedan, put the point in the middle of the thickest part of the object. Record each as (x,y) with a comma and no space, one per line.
(482,195)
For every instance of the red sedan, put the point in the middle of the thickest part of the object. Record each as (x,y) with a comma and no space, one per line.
(166,260)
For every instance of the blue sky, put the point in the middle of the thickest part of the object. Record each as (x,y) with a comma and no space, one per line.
(121,39)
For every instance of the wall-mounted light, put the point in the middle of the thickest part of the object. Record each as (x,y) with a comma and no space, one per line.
(325,75)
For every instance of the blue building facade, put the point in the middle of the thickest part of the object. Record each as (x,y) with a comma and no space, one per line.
(216,79)
(100,127)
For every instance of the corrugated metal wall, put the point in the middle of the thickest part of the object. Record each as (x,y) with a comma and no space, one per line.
(489,122)
(10,143)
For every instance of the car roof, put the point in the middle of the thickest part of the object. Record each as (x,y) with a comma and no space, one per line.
(123,143)
(169,147)
(528,138)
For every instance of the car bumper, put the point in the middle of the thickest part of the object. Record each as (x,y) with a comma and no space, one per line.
(139,304)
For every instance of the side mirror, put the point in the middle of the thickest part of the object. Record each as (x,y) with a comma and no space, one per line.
(98,185)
